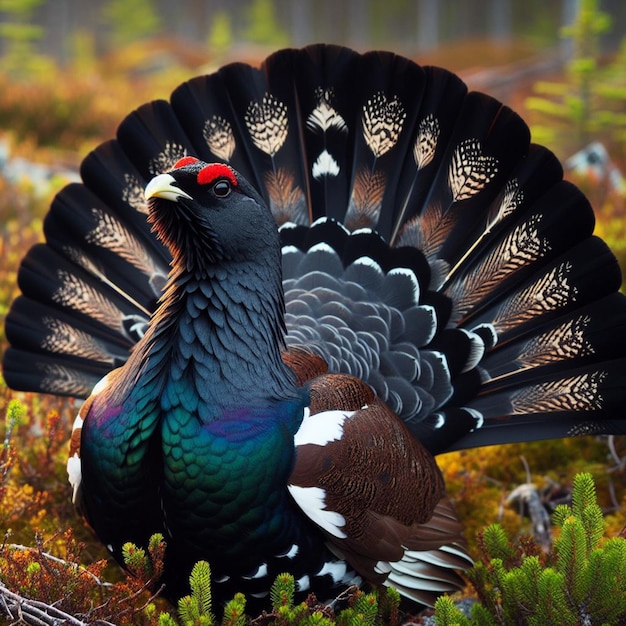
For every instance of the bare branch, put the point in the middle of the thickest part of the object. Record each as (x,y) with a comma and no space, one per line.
(56,559)
(32,612)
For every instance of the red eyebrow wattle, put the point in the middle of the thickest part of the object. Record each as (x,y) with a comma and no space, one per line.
(212,172)
(187,160)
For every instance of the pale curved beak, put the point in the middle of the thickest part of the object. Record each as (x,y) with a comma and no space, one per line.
(163,186)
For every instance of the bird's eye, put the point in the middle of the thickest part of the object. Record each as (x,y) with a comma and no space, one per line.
(222,188)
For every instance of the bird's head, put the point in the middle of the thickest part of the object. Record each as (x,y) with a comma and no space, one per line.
(208,214)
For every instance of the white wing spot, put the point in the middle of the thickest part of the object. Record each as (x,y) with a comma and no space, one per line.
(260,572)
(336,570)
(321,428)
(312,501)
(303,584)
(74,474)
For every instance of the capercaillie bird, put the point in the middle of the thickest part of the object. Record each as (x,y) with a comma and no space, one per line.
(341,266)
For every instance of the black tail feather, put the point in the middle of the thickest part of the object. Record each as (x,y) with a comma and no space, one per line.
(486,310)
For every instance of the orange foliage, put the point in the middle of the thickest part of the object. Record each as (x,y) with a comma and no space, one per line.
(480,480)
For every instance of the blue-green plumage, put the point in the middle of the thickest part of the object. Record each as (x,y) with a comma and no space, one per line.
(200,442)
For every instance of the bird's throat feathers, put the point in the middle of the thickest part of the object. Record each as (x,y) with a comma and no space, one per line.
(218,337)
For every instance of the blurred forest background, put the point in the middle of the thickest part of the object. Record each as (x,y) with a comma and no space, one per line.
(70,70)
(408,25)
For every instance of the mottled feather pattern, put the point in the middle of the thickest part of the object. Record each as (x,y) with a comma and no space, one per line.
(412,234)
(576,393)
(426,142)
(111,234)
(470,170)
(521,247)
(65,381)
(157,275)
(76,294)
(267,124)
(324,116)
(219,136)
(165,160)
(586,429)
(326,121)
(547,293)
(512,198)
(132,194)
(66,339)
(382,121)
(566,341)
(365,204)
(287,201)
(428,233)
(82,260)
(435,225)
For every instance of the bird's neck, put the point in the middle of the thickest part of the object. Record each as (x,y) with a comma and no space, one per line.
(221,332)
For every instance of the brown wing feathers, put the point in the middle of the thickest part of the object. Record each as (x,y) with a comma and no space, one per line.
(366,476)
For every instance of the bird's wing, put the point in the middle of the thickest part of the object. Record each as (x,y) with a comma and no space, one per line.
(355,463)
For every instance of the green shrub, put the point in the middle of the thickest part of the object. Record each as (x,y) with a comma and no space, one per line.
(582,580)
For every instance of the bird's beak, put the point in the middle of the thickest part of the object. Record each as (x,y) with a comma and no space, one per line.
(163,186)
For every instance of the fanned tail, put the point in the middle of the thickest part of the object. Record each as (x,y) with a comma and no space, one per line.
(430,249)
